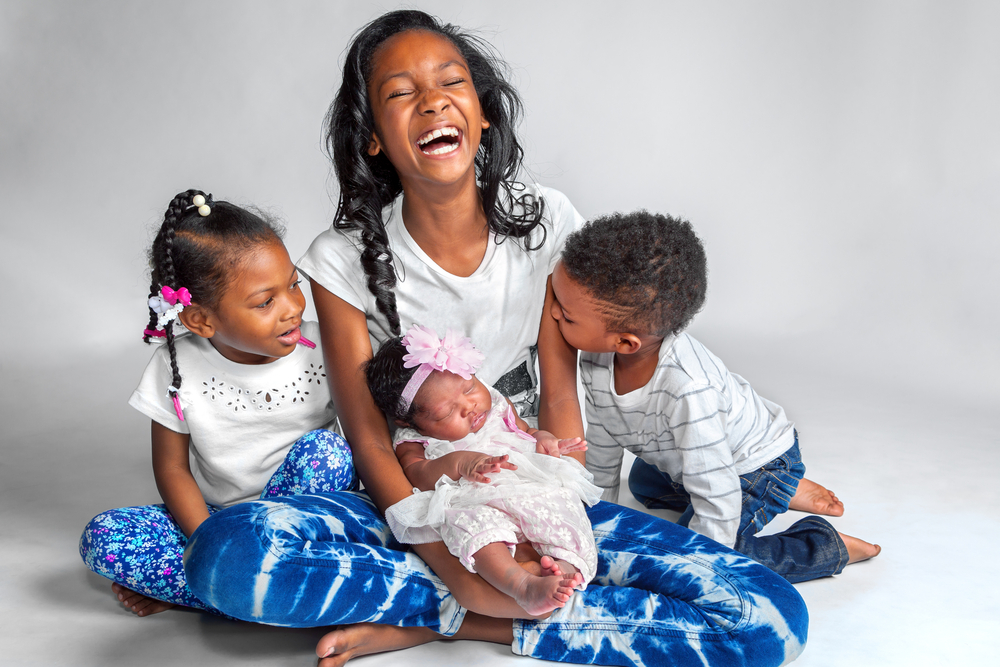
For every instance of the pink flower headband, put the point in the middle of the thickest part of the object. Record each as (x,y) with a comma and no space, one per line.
(453,353)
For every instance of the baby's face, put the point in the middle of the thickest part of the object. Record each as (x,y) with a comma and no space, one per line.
(449,408)
(576,312)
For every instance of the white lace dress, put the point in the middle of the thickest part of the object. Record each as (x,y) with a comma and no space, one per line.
(541,502)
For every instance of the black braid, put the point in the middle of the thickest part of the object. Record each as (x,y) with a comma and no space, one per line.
(369,183)
(175,210)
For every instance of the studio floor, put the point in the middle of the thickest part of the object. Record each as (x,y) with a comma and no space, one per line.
(916,469)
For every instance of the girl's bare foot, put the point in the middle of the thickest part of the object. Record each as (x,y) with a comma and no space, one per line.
(351,641)
(815,499)
(138,603)
(859,550)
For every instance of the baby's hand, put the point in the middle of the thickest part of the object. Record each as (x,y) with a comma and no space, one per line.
(546,443)
(476,466)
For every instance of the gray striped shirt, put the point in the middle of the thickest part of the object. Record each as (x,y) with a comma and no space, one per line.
(694,420)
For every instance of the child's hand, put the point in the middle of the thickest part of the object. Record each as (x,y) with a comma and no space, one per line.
(475,466)
(546,443)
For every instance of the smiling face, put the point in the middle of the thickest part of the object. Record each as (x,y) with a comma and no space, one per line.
(257,319)
(428,120)
(449,408)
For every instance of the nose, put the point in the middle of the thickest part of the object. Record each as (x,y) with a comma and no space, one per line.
(556,311)
(293,305)
(434,101)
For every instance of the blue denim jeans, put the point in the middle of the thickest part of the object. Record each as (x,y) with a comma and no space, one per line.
(142,547)
(811,548)
(662,593)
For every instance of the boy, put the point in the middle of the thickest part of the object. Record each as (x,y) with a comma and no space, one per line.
(707,444)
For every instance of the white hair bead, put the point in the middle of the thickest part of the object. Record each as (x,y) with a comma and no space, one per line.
(198,200)
(204,209)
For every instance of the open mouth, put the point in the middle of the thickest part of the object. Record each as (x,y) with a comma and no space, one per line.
(440,141)
(291,336)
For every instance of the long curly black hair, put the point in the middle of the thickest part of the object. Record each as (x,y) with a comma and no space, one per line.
(646,271)
(199,253)
(369,183)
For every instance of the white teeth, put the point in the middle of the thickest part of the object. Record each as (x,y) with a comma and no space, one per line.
(440,132)
(440,151)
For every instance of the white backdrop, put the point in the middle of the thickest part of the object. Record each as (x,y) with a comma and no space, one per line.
(840,159)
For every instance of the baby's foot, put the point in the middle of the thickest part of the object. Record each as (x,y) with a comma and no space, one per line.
(553,567)
(350,641)
(859,550)
(815,499)
(540,595)
(138,603)
(533,567)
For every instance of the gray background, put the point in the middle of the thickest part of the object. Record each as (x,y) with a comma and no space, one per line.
(840,160)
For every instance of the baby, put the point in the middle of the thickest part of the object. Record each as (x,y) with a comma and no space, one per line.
(707,445)
(484,480)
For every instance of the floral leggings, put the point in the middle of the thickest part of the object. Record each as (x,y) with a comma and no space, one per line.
(142,547)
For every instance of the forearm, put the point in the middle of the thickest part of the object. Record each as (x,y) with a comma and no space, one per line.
(181,495)
(424,473)
(174,481)
(559,406)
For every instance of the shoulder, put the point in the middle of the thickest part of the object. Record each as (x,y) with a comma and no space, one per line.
(687,372)
(330,244)
(559,211)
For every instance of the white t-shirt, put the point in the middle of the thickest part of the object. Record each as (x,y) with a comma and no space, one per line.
(694,420)
(242,418)
(499,306)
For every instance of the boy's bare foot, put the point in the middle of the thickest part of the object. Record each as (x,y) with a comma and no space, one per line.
(351,641)
(859,550)
(815,499)
(138,603)
(540,595)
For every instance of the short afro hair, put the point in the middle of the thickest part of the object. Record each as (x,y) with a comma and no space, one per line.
(646,271)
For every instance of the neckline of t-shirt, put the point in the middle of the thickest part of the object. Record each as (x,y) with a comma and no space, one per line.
(396,220)
(640,394)
(216,360)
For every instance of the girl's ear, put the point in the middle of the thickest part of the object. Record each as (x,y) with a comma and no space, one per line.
(625,343)
(374,146)
(486,123)
(198,320)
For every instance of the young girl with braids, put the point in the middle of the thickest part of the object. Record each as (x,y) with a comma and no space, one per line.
(432,228)
(229,398)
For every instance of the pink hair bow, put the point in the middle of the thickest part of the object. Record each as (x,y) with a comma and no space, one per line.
(172,297)
(453,353)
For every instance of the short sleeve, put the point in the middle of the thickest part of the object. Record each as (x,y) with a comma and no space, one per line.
(333,260)
(563,218)
(150,397)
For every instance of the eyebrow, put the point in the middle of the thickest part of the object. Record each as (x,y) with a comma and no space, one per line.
(263,290)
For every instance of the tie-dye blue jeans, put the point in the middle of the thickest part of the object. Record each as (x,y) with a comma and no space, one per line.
(662,595)
(142,547)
